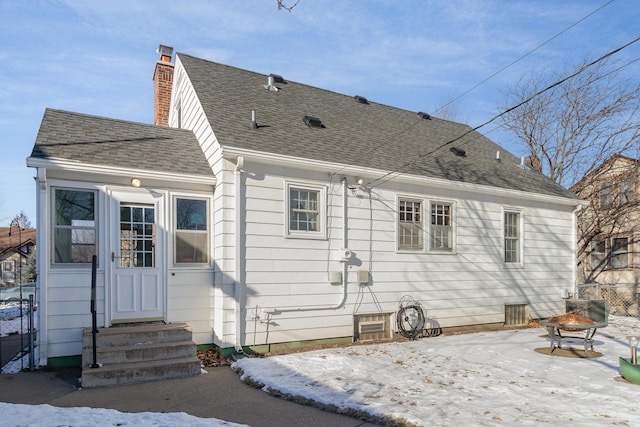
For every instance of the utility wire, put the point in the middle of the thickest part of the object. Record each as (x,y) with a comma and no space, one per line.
(525,55)
(387,177)
(384,142)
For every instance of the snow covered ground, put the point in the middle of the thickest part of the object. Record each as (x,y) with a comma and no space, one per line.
(46,415)
(479,379)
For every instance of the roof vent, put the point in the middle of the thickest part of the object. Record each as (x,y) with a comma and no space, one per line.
(312,122)
(270,86)
(424,115)
(458,151)
(277,78)
(361,99)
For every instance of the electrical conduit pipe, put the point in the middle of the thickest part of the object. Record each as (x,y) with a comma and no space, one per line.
(345,266)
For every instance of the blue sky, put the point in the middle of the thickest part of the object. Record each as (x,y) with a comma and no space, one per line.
(97,57)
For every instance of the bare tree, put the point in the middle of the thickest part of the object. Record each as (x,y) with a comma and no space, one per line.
(606,227)
(449,111)
(281,5)
(573,127)
(22,220)
(583,132)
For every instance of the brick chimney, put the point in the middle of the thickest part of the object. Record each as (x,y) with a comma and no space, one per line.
(162,84)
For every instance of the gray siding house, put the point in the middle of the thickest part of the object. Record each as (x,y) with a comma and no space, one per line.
(264,212)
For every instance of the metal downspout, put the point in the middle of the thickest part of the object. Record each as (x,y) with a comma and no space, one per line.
(238,285)
(42,273)
(345,266)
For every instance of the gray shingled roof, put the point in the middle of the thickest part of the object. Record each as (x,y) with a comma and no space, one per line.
(368,135)
(111,142)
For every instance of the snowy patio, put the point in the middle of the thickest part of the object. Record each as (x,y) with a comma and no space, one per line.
(481,379)
(487,378)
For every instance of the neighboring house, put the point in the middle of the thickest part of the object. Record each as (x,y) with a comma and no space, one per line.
(609,227)
(269,213)
(16,245)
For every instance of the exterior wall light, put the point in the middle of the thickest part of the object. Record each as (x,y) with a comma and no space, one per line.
(135,182)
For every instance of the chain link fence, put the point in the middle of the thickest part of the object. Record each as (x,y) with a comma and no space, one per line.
(624,298)
(18,312)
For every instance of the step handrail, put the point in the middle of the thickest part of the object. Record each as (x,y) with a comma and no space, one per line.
(94,326)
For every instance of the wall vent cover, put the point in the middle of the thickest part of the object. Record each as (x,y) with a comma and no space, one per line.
(516,314)
(370,327)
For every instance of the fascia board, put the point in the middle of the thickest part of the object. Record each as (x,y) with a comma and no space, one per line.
(232,153)
(72,166)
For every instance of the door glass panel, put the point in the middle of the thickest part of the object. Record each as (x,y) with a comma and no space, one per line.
(137,236)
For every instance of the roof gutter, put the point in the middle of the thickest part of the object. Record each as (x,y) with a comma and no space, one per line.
(332,167)
(75,166)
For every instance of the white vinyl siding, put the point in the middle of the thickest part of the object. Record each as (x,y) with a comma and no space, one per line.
(469,286)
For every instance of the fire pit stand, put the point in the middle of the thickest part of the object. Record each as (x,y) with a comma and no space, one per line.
(558,339)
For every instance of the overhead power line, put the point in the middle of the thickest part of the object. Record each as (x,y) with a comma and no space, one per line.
(388,176)
(525,55)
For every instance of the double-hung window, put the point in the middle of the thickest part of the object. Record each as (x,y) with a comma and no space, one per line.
(598,255)
(74,226)
(305,211)
(410,226)
(441,227)
(619,252)
(607,195)
(191,231)
(512,237)
(627,190)
(610,253)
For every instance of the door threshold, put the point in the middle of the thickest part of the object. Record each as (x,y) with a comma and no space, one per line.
(138,322)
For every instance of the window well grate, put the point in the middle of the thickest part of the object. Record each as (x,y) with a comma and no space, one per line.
(516,314)
(370,327)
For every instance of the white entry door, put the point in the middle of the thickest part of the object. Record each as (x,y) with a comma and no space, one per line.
(137,282)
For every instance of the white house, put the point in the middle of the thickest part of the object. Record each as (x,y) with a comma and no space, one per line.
(265,212)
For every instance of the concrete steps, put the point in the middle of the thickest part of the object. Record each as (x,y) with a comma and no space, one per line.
(139,353)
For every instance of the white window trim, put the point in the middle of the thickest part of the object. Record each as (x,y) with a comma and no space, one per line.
(454,222)
(405,198)
(52,224)
(172,224)
(520,263)
(321,234)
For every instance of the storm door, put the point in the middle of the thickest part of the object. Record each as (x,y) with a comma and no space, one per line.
(137,291)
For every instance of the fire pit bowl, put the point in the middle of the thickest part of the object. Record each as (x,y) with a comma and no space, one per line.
(629,371)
